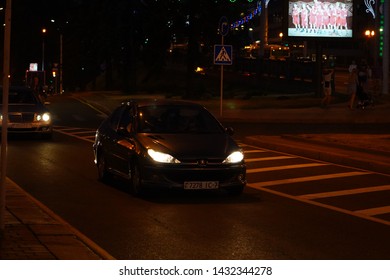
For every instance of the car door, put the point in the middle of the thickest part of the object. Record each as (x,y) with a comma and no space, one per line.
(122,143)
(108,137)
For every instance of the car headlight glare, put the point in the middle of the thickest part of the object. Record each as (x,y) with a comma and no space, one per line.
(44,117)
(162,157)
(234,157)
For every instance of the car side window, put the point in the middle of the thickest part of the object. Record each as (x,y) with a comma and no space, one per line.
(126,120)
(115,118)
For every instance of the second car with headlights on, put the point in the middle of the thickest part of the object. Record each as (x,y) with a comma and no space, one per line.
(26,112)
(168,144)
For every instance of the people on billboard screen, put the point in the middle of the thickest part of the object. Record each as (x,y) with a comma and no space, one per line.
(320,18)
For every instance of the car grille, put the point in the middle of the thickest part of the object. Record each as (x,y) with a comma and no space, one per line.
(21,118)
(200,174)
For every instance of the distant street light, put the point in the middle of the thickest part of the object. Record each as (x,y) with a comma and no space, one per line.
(369,33)
(370,45)
(43,49)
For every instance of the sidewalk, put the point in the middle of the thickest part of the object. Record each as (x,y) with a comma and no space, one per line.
(33,232)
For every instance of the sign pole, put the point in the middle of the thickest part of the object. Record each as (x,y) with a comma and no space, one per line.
(4,129)
(223,27)
(386,59)
(221,86)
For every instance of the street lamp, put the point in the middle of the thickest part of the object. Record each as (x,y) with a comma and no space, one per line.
(60,27)
(43,48)
(369,33)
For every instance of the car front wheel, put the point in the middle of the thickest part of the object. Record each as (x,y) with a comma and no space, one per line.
(103,173)
(136,185)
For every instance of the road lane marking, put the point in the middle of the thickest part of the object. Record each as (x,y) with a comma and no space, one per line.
(84,132)
(254,151)
(75,132)
(284,167)
(261,185)
(326,206)
(65,128)
(267,158)
(302,199)
(345,192)
(374,211)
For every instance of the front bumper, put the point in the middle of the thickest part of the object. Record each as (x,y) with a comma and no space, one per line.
(174,176)
(40,128)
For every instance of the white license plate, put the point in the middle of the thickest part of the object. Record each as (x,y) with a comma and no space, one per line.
(20,125)
(201,185)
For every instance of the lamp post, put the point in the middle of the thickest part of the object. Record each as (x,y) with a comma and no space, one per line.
(43,56)
(60,69)
(43,48)
(6,72)
(59,27)
(370,50)
(386,13)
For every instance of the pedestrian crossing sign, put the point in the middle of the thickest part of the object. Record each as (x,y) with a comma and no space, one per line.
(223,54)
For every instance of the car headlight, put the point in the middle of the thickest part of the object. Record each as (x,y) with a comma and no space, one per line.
(43,117)
(234,157)
(162,157)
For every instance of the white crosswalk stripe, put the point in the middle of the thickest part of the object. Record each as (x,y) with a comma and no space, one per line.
(346,192)
(284,167)
(267,158)
(314,197)
(306,179)
(85,134)
(374,211)
(254,151)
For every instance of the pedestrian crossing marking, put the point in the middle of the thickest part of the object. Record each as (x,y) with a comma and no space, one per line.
(254,151)
(284,167)
(306,179)
(267,158)
(85,134)
(374,211)
(266,186)
(345,192)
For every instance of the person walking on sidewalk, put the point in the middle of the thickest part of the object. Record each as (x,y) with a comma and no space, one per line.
(353,82)
(327,88)
(352,66)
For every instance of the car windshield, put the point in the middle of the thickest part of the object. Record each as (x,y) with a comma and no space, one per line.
(20,97)
(177,119)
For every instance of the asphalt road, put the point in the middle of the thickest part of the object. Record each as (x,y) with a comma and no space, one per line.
(266,222)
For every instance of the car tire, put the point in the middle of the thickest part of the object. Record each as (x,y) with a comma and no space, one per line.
(136,184)
(103,173)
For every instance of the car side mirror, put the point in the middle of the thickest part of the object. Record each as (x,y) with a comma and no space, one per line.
(229,131)
(123,131)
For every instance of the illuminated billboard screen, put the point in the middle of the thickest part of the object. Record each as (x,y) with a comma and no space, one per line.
(320,18)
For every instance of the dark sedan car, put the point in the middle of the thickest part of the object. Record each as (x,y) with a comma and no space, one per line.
(26,112)
(168,144)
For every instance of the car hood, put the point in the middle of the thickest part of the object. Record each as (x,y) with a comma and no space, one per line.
(189,146)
